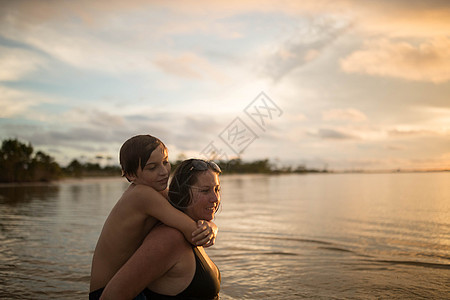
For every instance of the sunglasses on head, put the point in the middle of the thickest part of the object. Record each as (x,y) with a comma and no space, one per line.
(202,165)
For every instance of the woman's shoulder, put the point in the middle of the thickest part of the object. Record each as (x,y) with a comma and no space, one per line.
(168,236)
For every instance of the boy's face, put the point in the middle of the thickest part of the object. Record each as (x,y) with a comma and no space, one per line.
(156,171)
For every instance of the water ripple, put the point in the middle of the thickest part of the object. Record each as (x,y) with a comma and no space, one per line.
(413,263)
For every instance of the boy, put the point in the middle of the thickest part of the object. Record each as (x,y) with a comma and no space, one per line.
(145,164)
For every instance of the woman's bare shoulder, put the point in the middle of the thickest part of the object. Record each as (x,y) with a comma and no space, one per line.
(166,243)
(167,238)
(166,234)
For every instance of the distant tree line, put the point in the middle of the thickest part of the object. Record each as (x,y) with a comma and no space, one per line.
(238,166)
(78,169)
(264,166)
(19,163)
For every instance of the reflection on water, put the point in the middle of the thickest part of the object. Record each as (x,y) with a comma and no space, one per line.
(318,236)
(335,236)
(17,194)
(47,236)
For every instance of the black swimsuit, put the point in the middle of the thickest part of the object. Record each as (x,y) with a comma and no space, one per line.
(205,285)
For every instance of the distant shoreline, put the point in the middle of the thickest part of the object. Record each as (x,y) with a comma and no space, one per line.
(106,177)
(62,180)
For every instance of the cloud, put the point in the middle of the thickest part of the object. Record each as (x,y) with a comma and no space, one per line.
(86,51)
(19,103)
(183,66)
(398,132)
(402,18)
(349,114)
(428,61)
(30,12)
(16,63)
(188,65)
(438,118)
(54,28)
(97,35)
(203,124)
(25,13)
(79,139)
(335,134)
(124,51)
(13,102)
(93,117)
(304,46)
(92,129)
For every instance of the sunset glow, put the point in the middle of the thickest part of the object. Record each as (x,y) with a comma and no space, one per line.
(362,86)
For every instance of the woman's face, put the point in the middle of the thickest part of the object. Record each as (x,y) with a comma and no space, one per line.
(205,196)
(156,171)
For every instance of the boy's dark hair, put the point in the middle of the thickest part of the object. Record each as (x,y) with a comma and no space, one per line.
(136,151)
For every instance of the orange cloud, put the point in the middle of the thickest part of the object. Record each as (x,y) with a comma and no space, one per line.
(188,65)
(428,61)
(402,18)
(349,114)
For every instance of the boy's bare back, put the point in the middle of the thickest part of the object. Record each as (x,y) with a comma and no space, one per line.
(123,232)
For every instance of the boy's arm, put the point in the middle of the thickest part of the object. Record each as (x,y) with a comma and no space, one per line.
(154,204)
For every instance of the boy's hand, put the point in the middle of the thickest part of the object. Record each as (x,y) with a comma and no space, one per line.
(205,234)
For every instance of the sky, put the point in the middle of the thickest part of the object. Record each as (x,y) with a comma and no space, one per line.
(342,85)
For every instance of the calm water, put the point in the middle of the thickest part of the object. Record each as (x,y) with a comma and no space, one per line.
(323,236)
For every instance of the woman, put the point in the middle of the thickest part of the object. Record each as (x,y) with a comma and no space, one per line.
(166,266)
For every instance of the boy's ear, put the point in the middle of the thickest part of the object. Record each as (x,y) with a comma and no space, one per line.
(129,177)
